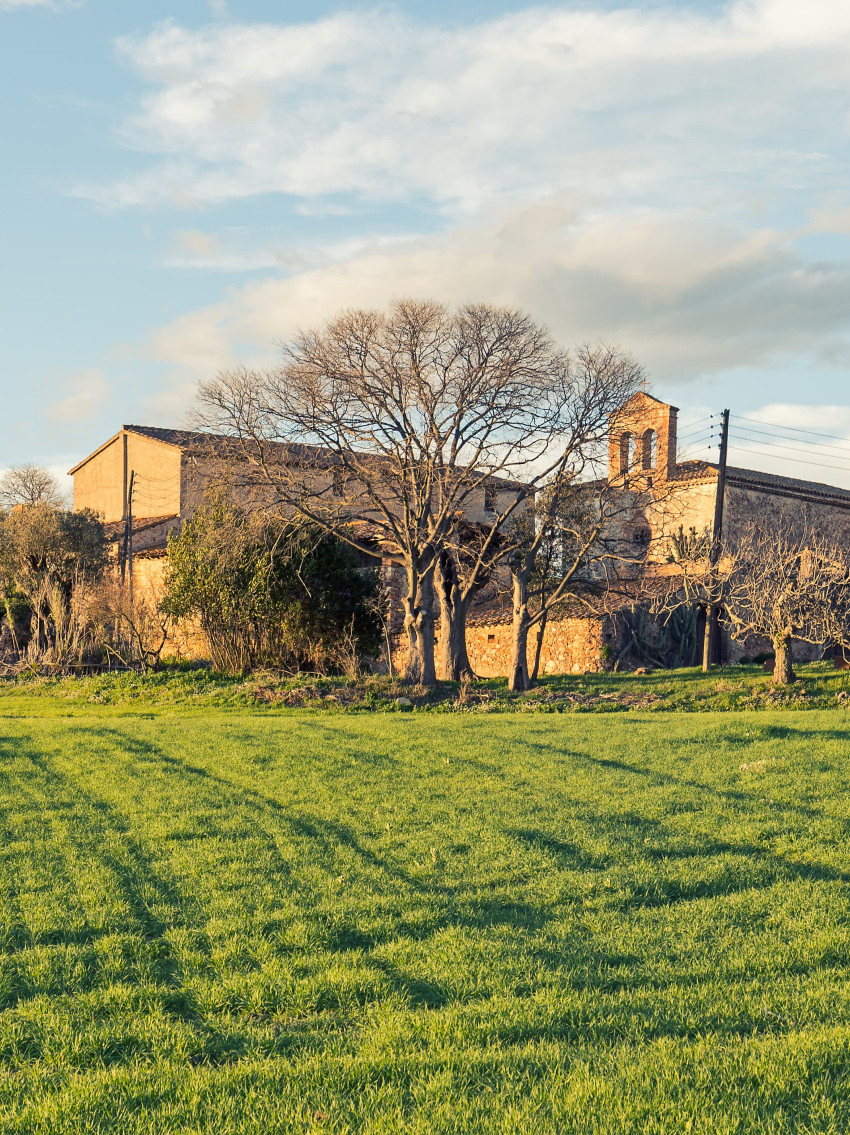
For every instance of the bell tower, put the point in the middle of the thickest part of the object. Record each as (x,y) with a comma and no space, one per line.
(642,439)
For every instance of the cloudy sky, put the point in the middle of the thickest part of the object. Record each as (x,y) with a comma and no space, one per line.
(187,181)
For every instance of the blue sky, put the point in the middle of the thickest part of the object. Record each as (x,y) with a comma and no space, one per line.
(187,182)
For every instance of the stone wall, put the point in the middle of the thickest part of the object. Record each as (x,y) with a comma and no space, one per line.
(570,646)
(744,506)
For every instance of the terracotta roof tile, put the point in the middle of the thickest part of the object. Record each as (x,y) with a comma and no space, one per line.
(115,528)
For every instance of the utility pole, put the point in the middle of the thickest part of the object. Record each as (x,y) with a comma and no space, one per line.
(712,614)
(130,533)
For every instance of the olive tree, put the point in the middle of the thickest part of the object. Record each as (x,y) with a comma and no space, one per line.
(785,585)
(783,582)
(46,554)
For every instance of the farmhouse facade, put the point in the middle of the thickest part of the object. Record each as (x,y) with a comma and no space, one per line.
(162,475)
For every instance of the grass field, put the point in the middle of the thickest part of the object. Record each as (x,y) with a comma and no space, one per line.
(255,920)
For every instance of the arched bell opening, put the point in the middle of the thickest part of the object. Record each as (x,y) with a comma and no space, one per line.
(649,447)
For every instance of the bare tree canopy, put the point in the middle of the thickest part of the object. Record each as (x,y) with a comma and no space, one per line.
(572,534)
(29,484)
(784,583)
(401,420)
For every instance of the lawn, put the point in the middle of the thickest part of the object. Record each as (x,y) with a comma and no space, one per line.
(264,920)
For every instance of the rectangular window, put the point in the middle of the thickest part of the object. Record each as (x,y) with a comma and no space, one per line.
(491,638)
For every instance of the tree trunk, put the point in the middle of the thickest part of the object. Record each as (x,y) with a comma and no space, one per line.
(783,670)
(518,678)
(541,630)
(708,638)
(419,628)
(454,659)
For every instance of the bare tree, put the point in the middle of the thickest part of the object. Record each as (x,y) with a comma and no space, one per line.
(393,427)
(29,484)
(573,536)
(784,584)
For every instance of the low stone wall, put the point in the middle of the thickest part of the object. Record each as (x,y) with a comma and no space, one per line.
(570,646)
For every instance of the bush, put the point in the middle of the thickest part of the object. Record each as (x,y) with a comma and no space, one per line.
(270,592)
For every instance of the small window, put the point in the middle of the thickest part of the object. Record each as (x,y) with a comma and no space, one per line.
(491,498)
(627,452)
(648,446)
(491,638)
(643,538)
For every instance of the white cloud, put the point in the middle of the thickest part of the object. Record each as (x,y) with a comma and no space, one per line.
(652,176)
(245,249)
(688,294)
(632,102)
(87,392)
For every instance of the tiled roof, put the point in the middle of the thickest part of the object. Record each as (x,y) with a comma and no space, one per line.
(115,528)
(790,486)
(199,443)
(766,482)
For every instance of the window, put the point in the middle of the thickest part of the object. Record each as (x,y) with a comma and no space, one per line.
(627,452)
(491,638)
(648,450)
(491,498)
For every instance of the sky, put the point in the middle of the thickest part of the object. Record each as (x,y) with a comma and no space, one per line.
(187,182)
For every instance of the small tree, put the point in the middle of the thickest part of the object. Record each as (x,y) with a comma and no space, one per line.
(782,582)
(265,591)
(29,484)
(571,536)
(46,554)
(785,585)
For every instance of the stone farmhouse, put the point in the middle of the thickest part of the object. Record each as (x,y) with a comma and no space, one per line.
(170,470)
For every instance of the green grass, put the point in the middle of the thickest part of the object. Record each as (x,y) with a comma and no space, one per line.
(271,921)
(687,691)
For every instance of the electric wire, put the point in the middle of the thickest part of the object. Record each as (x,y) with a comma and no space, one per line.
(696,428)
(699,421)
(798,460)
(695,439)
(795,429)
(778,438)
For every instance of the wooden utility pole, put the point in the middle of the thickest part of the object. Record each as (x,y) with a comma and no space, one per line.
(712,614)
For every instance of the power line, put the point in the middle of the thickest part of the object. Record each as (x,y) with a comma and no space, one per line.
(699,431)
(700,435)
(783,449)
(712,420)
(798,460)
(795,429)
(779,438)
(699,421)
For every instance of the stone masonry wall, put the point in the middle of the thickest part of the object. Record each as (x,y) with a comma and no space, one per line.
(570,646)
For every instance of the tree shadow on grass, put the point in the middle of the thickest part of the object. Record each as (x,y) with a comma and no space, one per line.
(733,795)
(321,843)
